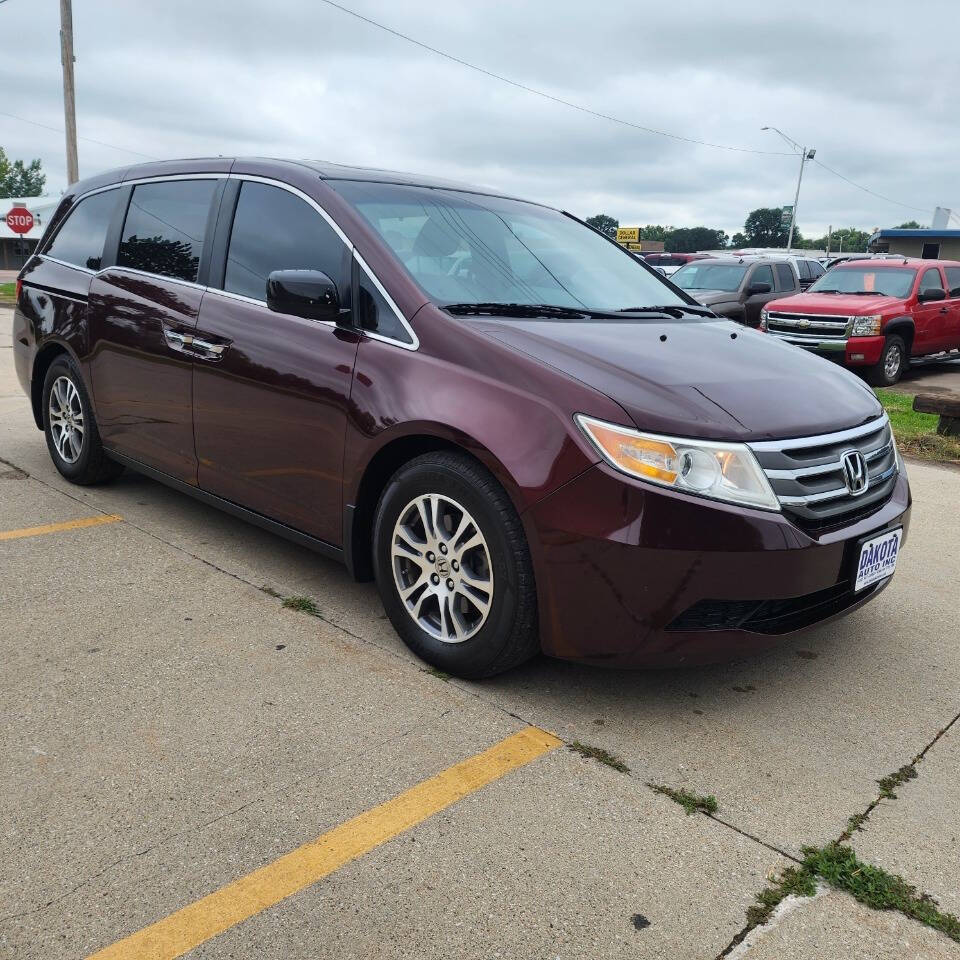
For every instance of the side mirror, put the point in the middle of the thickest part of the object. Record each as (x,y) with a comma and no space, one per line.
(756,288)
(934,293)
(303,293)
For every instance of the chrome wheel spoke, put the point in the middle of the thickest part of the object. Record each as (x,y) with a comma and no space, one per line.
(445,586)
(65,413)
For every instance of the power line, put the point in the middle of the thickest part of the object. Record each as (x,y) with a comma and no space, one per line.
(101,143)
(550,96)
(872,193)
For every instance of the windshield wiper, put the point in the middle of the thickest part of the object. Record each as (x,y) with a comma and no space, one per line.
(823,291)
(678,310)
(868,293)
(524,310)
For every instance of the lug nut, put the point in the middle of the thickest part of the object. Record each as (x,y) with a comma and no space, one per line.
(455,565)
(434,579)
(449,584)
(443,548)
(430,557)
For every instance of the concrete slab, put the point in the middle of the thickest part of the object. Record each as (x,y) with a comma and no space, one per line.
(837,927)
(918,834)
(553,862)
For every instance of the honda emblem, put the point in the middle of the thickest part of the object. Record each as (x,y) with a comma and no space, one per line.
(855,472)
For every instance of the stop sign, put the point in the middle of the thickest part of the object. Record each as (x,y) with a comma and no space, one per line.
(20,220)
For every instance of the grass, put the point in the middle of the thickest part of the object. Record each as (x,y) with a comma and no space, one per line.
(877,889)
(302,605)
(600,755)
(435,672)
(916,433)
(874,887)
(690,801)
(887,784)
(8,292)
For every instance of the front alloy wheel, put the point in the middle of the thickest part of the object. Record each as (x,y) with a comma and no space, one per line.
(441,566)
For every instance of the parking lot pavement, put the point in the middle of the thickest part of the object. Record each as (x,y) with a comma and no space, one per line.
(169,728)
(929,377)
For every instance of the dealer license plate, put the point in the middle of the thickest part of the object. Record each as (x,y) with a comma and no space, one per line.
(878,558)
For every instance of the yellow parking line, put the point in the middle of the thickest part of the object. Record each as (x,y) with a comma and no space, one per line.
(186,929)
(57,527)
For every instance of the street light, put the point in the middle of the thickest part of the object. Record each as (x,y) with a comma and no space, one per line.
(805,155)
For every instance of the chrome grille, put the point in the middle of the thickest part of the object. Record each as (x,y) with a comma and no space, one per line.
(807,474)
(806,329)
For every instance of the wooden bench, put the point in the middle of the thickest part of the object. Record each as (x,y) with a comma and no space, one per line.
(947,405)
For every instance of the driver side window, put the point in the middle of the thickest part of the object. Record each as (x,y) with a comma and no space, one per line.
(931,280)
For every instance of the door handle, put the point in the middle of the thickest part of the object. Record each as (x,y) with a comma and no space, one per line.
(215,348)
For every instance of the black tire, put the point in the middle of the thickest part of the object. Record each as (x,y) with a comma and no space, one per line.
(892,364)
(89,464)
(509,634)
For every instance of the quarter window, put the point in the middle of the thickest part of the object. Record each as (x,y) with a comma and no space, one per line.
(931,280)
(376,315)
(165,227)
(275,230)
(953,280)
(80,240)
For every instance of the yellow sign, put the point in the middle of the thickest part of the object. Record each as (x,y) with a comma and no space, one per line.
(628,234)
(634,246)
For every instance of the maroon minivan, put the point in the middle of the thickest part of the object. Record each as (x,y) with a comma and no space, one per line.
(528,437)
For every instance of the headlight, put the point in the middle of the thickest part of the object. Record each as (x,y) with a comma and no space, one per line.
(866,326)
(721,471)
(763,320)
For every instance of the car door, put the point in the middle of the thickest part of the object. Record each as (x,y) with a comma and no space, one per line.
(755,302)
(270,404)
(930,318)
(952,332)
(142,311)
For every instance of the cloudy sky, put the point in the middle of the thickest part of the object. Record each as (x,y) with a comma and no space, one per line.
(872,85)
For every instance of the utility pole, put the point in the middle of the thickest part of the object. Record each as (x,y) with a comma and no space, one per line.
(829,236)
(69,100)
(805,155)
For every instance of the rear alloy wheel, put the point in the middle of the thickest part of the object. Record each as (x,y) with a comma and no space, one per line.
(453,567)
(893,361)
(71,430)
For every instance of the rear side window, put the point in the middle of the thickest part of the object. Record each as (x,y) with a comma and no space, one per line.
(953,280)
(80,240)
(803,269)
(816,269)
(165,227)
(931,280)
(785,276)
(275,230)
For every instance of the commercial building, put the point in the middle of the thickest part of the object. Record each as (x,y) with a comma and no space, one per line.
(929,243)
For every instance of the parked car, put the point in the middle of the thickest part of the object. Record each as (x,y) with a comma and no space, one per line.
(530,440)
(670,263)
(874,315)
(809,270)
(738,287)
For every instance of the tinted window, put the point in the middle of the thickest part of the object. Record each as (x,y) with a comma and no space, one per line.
(763,274)
(275,230)
(884,281)
(802,269)
(165,226)
(931,280)
(709,276)
(376,315)
(785,276)
(472,248)
(80,240)
(816,269)
(953,279)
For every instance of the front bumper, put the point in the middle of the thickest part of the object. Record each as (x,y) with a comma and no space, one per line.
(852,351)
(631,575)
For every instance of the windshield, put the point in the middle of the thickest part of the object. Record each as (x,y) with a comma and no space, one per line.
(710,276)
(464,248)
(882,281)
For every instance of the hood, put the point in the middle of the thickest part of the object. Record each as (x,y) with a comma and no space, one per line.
(708,297)
(707,379)
(837,303)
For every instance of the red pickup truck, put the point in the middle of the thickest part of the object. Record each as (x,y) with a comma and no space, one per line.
(874,314)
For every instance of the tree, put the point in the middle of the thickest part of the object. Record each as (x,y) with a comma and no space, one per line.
(690,239)
(653,231)
(847,239)
(18,179)
(604,224)
(739,240)
(909,225)
(762,229)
